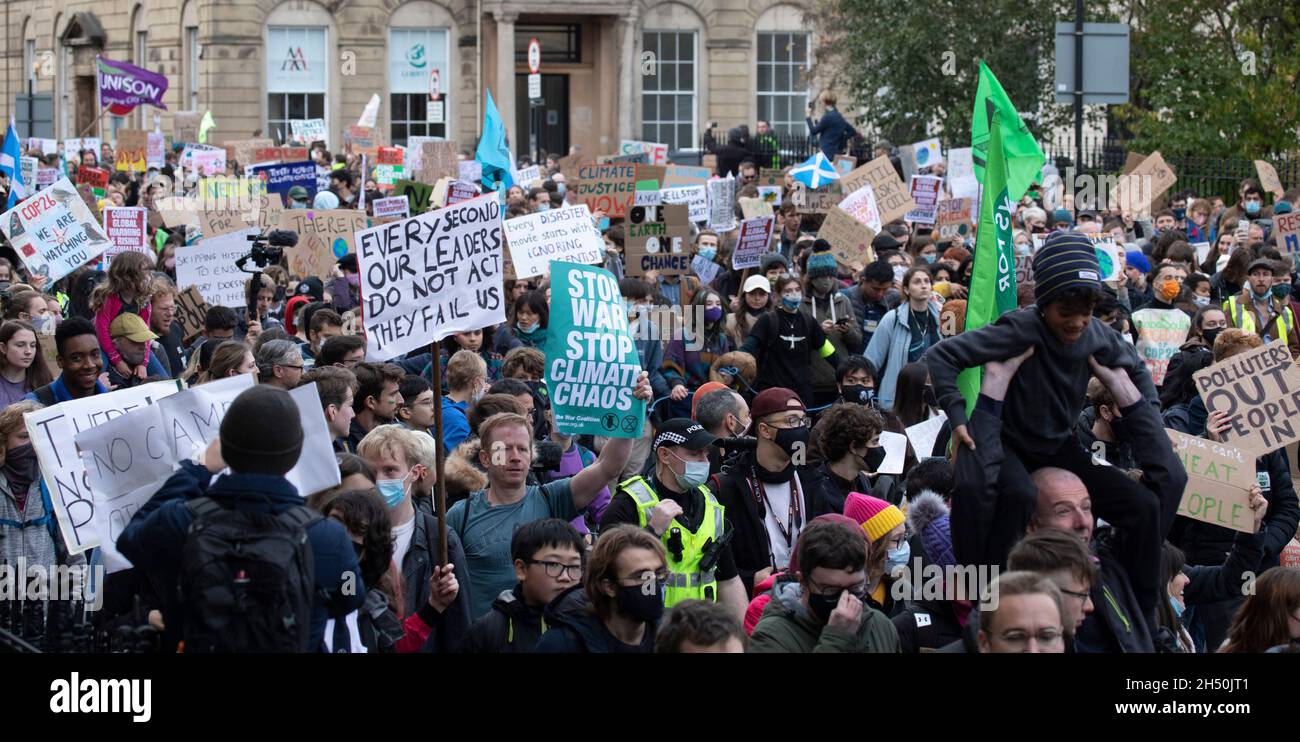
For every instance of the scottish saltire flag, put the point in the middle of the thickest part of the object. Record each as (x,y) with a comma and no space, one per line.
(815,172)
(124,86)
(492,150)
(11,164)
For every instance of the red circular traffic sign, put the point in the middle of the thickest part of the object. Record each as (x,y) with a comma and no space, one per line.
(534,55)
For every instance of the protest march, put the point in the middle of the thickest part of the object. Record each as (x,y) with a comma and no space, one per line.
(299,385)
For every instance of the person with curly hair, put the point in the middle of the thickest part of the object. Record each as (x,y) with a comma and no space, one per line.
(850,446)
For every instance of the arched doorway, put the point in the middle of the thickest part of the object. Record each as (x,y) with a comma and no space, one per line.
(81,42)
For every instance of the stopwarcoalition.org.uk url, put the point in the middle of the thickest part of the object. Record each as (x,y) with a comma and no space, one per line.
(1202,710)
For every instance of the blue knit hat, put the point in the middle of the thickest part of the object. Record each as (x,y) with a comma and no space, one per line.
(821,262)
(1067,259)
(1135,258)
(1281,207)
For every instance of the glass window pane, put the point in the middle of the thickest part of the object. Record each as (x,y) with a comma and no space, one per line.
(782,78)
(667,108)
(688,47)
(651,43)
(800,49)
(764,77)
(686,77)
(419,107)
(651,108)
(276,106)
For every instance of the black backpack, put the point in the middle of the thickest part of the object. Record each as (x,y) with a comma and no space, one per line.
(247,579)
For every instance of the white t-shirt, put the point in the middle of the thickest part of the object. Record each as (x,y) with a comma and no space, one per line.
(402,541)
(778,506)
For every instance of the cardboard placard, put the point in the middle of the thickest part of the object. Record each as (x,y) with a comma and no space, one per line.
(1286,232)
(244,151)
(567,235)
(432,275)
(360,140)
(844,164)
(1260,391)
(417,194)
(460,192)
(185,127)
(770,176)
(1024,269)
(209,264)
(528,176)
(569,163)
(658,238)
(264,211)
(1139,189)
(685,175)
(850,239)
(191,311)
(437,160)
(606,188)
(819,201)
(956,218)
(55,231)
(132,149)
(95,177)
(1268,178)
(893,198)
(324,237)
(276,154)
(1219,479)
(754,207)
(657,153)
(753,243)
(925,191)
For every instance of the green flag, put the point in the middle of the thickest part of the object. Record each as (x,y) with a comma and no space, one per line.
(1024,159)
(993,278)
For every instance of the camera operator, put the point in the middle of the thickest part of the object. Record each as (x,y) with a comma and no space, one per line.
(259,289)
(723,413)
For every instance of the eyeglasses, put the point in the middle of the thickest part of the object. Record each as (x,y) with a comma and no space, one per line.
(1083,596)
(555,569)
(286,365)
(858,591)
(794,422)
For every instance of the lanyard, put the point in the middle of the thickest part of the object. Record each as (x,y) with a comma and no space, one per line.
(793,520)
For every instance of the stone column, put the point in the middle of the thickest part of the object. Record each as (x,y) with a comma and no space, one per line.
(503,93)
(628,70)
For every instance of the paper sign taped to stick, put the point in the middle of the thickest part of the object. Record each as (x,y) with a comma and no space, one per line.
(850,239)
(658,238)
(1219,479)
(566,234)
(591,362)
(607,188)
(324,237)
(1260,392)
(54,232)
(892,196)
(53,431)
(210,266)
(753,242)
(431,275)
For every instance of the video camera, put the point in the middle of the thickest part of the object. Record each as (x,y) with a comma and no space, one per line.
(267,249)
(738,443)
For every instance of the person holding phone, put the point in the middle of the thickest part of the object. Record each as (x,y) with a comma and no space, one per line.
(832,130)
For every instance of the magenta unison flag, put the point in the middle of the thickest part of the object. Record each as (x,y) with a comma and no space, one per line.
(124,86)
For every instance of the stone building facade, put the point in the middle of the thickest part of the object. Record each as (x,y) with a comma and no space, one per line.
(644,69)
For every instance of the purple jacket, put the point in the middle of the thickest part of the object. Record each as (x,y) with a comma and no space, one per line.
(574,460)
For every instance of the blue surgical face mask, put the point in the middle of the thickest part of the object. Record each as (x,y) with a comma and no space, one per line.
(792,302)
(604,224)
(1252,207)
(560,188)
(526,329)
(43,324)
(544,207)
(929,258)
(897,558)
(1178,607)
(392,490)
(708,253)
(697,473)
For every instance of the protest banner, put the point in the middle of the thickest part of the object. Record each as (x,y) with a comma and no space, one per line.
(925,192)
(243,151)
(53,431)
(1260,392)
(431,275)
(393,207)
(754,207)
(42,145)
(155,154)
(1024,269)
(95,177)
(927,153)
(753,243)
(1137,190)
(893,199)
(460,192)
(770,194)
(416,194)
(72,148)
(209,265)
(861,205)
(528,177)
(695,197)
(844,164)
(819,201)
(607,188)
(306,131)
(132,148)
(591,361)
(27,166)
(924,435)
(685,175)
(1219,478)
(704,269)
(658,238)
(269,155)
(567,235)
(722,204)
(956,218)
(280,178)
(962,182)
(127,227)
(1268,179)
(263,210)
(324,237)
(470,171)
(1286,232)
(54,232)
(191,311)
(657,154)
(769,176)
(850,239)
(650,176)
(185,126)
(1160,333)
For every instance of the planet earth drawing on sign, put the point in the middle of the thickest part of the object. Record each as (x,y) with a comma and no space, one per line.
(340,247)
(1105,261)
(922,156)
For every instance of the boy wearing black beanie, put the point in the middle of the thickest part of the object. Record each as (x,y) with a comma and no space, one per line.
(257,456)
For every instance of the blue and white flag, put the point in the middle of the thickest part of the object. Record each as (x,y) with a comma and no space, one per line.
(11,164)
(815,172)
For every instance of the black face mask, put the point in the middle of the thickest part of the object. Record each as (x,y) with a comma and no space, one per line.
(822,606)
(859,394)
(874,458)
(634,601)
(791,440)
(1210,335)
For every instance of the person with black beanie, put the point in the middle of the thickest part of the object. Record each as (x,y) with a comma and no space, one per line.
(252,459)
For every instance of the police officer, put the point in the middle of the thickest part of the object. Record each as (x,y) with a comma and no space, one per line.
(674,504)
